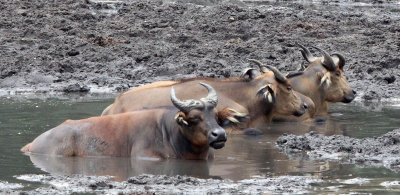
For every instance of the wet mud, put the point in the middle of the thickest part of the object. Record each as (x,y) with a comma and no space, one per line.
(84,46)
(371,151)
(8,188)
(161,184)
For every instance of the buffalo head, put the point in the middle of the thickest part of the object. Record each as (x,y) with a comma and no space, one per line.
(285,100)
(328,70)
(197,120)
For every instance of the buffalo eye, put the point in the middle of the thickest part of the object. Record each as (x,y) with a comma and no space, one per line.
(338,74)
(194,120)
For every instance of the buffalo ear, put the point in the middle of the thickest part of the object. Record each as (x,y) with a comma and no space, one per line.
(180,118)
(324,78)
(339,60)
(268,93)
(320,75)
(299,71)
(250,73)
(301,67)
(229,116)
(293,74)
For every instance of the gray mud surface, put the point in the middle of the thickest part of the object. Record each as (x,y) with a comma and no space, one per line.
(376,151)
(7,188)
(150,184)
(84,46)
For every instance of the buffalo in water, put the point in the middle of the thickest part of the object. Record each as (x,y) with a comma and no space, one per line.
(243,102)
(322,80)
(185,131)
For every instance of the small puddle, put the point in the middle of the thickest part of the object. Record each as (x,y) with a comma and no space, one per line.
(241,158)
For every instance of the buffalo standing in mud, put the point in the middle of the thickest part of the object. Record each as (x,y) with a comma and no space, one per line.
(245,102)
(186,132)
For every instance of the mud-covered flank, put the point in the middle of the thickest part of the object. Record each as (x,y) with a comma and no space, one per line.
(378,151)
(161,184)
(81,46)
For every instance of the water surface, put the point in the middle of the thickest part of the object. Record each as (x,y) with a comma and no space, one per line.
(242,157)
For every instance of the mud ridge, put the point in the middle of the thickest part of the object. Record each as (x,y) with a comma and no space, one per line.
(375,151)
(161,184)
(9,188)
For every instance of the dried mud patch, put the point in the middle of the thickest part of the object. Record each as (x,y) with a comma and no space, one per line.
(376,151)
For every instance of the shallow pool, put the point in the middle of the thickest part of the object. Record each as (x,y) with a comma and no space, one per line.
(242,157)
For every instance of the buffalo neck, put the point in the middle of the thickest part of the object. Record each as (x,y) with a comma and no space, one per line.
(243,92)
(174,138)
(309,85)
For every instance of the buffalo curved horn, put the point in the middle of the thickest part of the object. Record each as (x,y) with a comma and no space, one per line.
(306,53)
(260,65)
(187,105)
(341,60)
(278,75)
(328,61)
(181,105)
(212,98)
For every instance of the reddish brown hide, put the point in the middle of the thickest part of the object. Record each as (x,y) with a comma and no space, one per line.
(323,81)
(260,98)
(187,132)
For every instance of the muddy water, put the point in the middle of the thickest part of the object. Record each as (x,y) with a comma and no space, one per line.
(22,120)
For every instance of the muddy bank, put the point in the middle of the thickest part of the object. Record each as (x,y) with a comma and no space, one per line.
(376,151)
(83,46)
(8,188)
(150,184)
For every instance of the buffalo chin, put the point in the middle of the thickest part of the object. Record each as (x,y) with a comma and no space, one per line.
(299,113)
(347,100)
(217,144)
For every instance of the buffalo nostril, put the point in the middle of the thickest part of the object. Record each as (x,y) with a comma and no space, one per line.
(354,92)
(218,134)
(305,106)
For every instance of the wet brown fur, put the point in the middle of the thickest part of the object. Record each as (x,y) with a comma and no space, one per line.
(311,83)
(151,85)
(237,93)
(232,79)
(145,133)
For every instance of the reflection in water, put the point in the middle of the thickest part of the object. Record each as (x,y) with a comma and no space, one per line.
(247,156)
(120,168)
(328,127)
(241,158)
